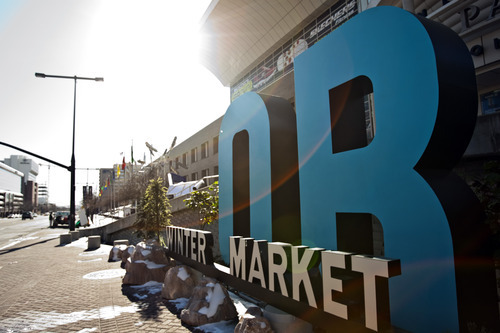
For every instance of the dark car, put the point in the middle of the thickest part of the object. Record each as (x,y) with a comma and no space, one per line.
(27,215)
(61,217)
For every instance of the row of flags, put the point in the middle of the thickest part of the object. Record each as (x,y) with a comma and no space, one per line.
(120,169)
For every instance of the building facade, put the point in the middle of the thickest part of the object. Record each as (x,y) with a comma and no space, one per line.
(11,198)
(29,168)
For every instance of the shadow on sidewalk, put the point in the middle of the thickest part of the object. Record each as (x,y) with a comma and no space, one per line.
(25,246)
(151,305)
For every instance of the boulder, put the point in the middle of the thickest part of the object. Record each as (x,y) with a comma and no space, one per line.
(137,273)
(210,303)
(141,251)
(253,321)
(116,253)
(159,256)
(126,254)
(145,262)
(180,282)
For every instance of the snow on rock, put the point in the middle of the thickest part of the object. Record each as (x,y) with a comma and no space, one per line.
(215,297)
(145,262)
(126,255)
(253,321)
(183,273)
(150,264)
(116,252)
(180,282)
(209,303)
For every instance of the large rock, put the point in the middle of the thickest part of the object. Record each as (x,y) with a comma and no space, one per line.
(159,256)
(253,321)
(137,273)
(142,251)
(145,262)
(210,303)
(127,254)
(180,282)
(116,253)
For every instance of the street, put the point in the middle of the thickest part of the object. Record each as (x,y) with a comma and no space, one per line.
(14,231)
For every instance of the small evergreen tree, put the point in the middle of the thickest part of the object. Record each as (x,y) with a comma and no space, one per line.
(206,203)
(153,211)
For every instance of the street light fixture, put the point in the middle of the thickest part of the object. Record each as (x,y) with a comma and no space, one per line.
(72,166)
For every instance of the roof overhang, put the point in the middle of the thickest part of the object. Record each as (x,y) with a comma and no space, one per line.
(237,34)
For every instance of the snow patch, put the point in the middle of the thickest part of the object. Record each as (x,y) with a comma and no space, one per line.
(146,253)
(140,296)
(150,264)
(80,242)
(86,330)
(226,326)
(41,321)
(17,241)
(105,274)
(180,303)
(101,251)
(215,297)
(182,274)
(152,287)
(90,260)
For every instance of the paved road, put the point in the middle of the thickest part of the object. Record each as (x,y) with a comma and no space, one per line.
(45,287)
(16,230)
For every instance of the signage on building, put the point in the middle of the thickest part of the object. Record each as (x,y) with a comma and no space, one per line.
(299,192)
(280,62)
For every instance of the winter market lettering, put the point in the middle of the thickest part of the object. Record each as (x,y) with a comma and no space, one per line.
(191,243)
(273,263)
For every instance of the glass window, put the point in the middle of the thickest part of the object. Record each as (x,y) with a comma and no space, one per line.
(194,155)
(204,150)
(205,173)
(215,145)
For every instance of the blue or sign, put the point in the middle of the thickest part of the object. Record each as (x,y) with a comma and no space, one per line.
(423,84)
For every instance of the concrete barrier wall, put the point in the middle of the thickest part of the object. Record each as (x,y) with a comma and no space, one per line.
(181,217)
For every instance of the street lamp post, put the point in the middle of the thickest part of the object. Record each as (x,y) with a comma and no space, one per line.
(72,166)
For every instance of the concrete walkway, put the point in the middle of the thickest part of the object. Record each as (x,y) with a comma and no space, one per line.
(51,288)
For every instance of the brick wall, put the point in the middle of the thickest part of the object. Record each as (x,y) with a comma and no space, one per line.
(188,218)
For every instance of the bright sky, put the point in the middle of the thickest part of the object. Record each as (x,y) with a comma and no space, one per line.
(154,85)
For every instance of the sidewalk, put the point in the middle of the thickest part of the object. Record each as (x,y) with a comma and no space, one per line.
(51,288)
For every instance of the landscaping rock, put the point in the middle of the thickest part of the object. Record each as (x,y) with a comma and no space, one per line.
(137,273)
(180,282)
(253,321)
(116,253)
(210,303)
(127,254)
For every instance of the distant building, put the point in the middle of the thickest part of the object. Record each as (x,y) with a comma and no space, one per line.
(29,168)
(43,195)
(11,197)
(195,158)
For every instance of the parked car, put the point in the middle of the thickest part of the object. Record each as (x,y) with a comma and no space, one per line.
(61,217)
(27,215)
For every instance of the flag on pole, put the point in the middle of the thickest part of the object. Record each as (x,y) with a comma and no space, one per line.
(123,164)
(118,171)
